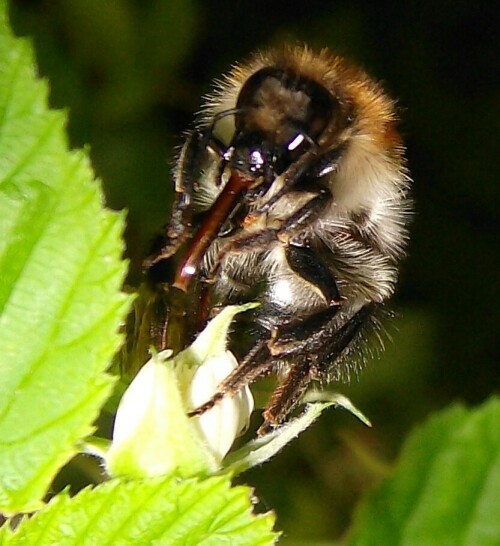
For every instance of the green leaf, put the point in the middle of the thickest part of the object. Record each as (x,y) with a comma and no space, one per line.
(60,279)
(445,490)
(260,450)
(157,511)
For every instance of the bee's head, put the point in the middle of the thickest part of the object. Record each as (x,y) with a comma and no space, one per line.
(279,116)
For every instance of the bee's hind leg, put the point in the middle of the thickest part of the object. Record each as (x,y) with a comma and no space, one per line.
(312,351)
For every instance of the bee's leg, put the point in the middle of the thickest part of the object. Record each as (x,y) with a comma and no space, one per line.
(257,363)
(286,396)
(260,240)
(324,341)
(302,258)
(189,165)
(311,357)
(180,218)
(310,354)
(302,217)
(253,242)
(303,173)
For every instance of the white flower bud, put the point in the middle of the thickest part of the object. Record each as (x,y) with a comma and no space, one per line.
(153,435)
(221,424)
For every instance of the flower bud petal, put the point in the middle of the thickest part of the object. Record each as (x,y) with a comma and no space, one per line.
(152,434)
(221,424)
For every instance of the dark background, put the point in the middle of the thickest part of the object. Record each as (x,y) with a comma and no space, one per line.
(131,74)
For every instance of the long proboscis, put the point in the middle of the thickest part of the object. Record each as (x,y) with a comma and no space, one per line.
(220,211)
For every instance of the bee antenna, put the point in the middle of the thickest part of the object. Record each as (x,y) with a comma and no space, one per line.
(225,113)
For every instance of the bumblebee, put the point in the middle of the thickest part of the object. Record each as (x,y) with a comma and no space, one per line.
(291,190)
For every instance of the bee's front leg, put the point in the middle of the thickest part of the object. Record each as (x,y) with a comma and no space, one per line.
(197,145)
